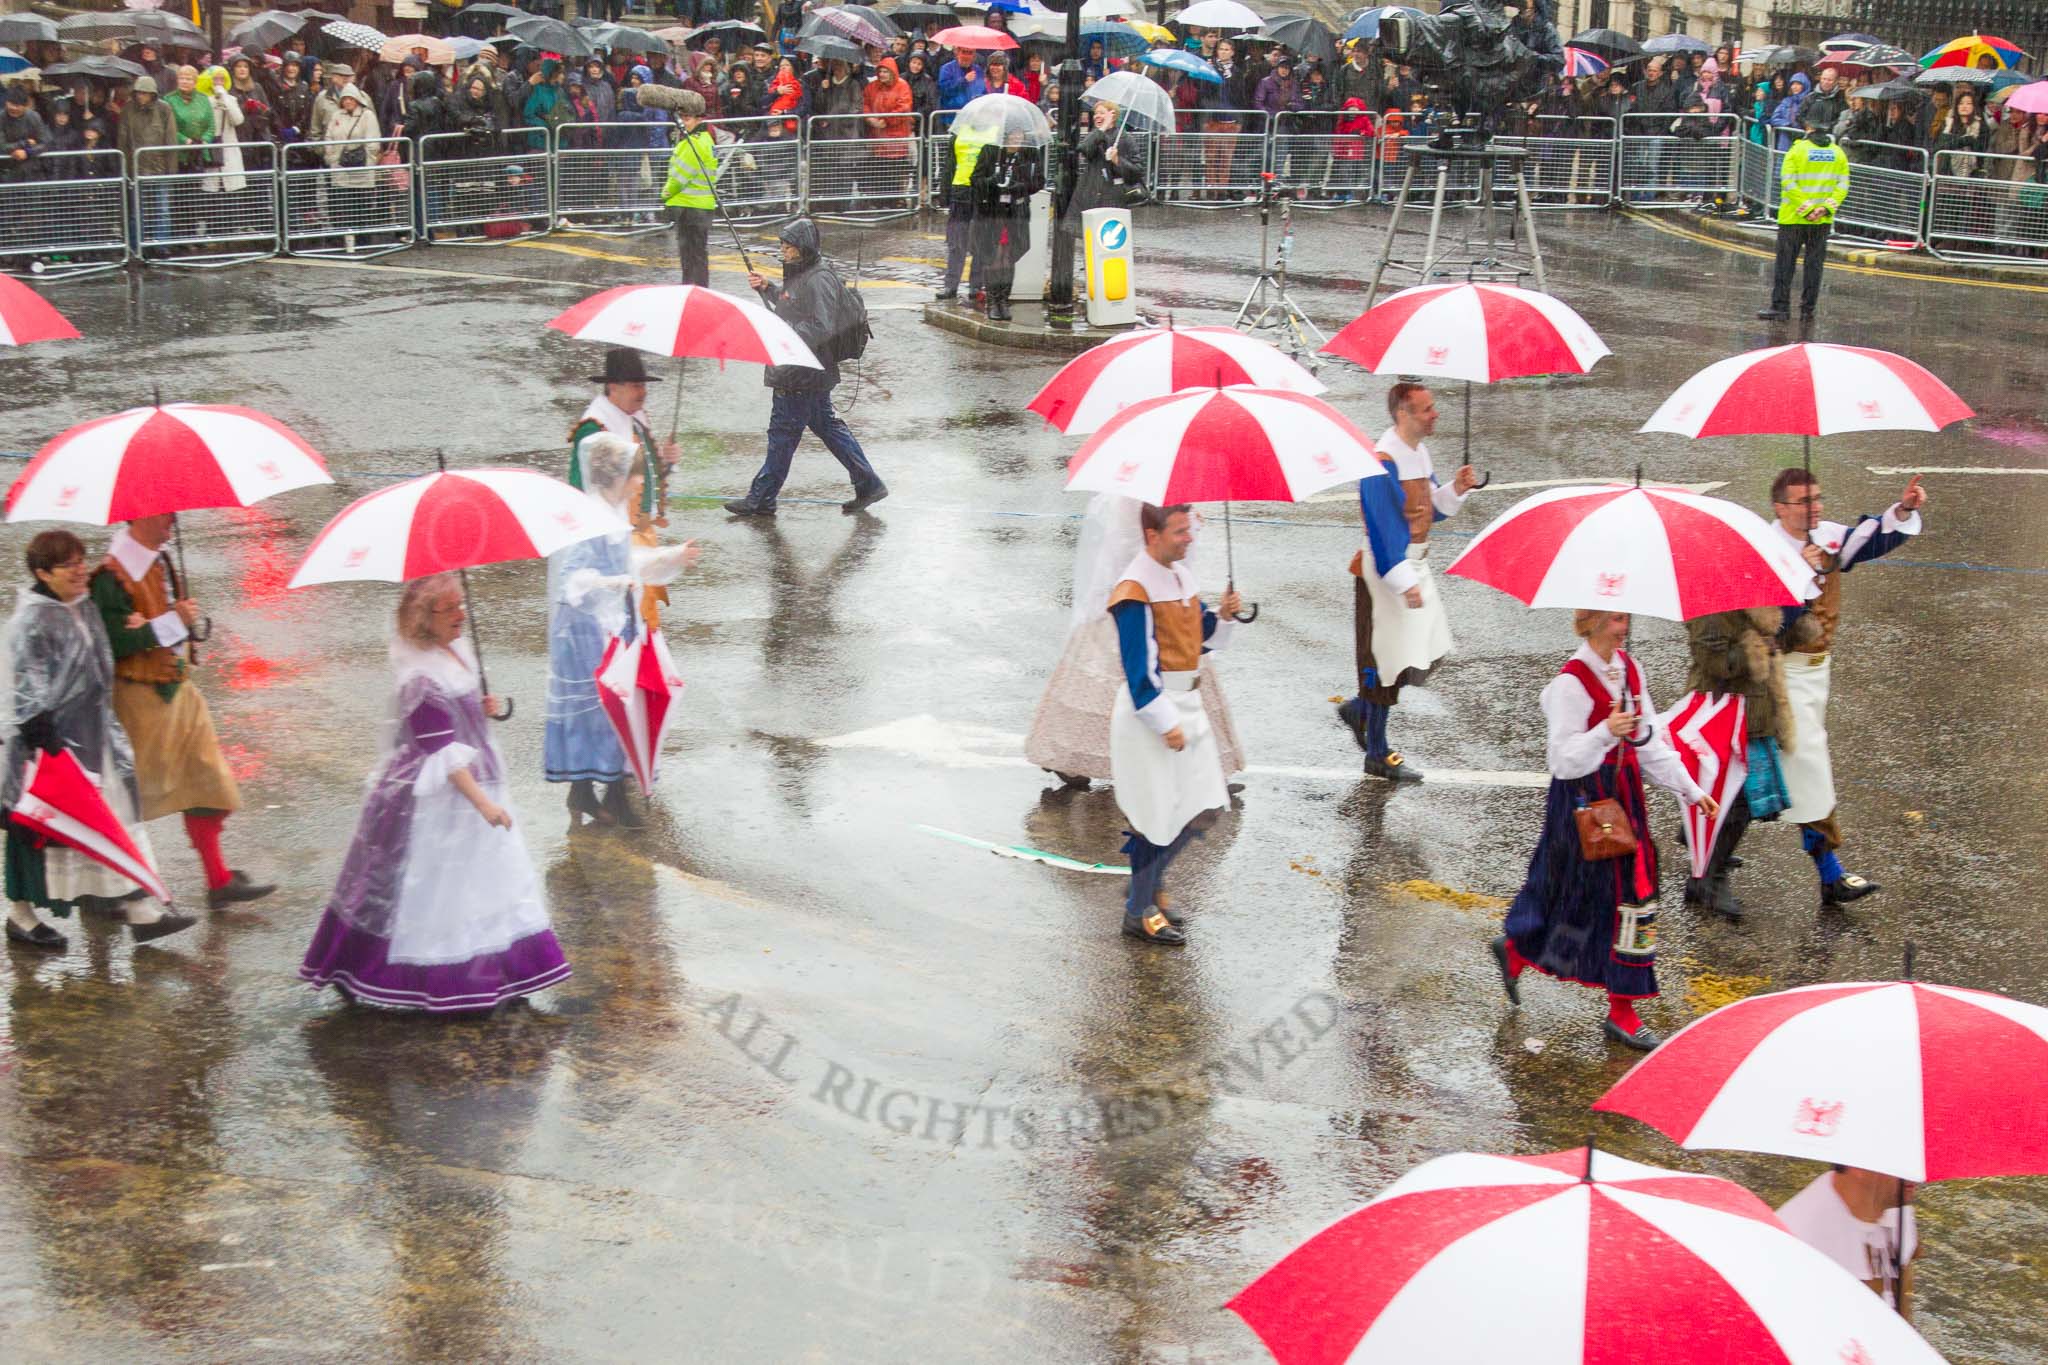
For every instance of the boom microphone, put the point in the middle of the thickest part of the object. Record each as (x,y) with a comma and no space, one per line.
(661,97)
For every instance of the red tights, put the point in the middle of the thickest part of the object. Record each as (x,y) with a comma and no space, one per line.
(1619,1008)
(203,829)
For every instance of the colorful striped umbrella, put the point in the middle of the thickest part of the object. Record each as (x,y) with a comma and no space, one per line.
(1966,50)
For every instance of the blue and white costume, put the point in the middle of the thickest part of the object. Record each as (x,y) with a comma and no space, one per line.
(1162,632)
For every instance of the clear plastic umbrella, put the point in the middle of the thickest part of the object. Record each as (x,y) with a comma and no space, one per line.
(994,119)
(1136,97)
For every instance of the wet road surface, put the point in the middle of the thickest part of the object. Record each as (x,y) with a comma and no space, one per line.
(828,1086)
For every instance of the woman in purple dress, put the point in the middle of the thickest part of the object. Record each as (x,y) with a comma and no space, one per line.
(438,907)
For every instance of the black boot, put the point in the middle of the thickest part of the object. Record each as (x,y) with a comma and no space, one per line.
(619,808)
(583,801)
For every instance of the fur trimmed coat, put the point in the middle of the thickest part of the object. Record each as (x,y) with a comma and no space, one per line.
(1737,651)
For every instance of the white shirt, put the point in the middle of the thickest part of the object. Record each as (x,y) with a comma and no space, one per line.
(1849,542)
(1574,751)
(135,560)
(1818,1217)
(1413,462)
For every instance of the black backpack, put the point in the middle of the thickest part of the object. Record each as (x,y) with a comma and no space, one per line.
(850,330)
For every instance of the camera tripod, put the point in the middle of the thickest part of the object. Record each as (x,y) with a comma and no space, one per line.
(1276,307)
(1489,261)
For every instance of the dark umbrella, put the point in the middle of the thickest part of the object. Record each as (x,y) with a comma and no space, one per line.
(728,31)
(100,67)
(624,39)
(1792,56)
(1303,35)
(16,29)
(827,48)
(169,29)
(917,14)
(889,27)
(1881,54)
(589,21)
(488,16)
(90,26)
(1607,42)
(552,35)
(267,29)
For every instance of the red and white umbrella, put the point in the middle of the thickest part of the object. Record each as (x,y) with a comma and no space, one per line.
(26,316)
(454,519)
(1809,389)
(686,320)
(1104,380)
(1555,1260)
(59,800)
(1918,1081)
(1646,549)
(637,684)
(175,457)
(1222,445)
(1480,333)
(1708,731)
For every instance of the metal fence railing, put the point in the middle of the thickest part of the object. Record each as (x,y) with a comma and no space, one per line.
(609,176)
(348,198)
(208,206)
(1887,199)
(1987,208)
(1668,160)
(212,205)
(1323,164)
(69,218)
(485,187)
(855,173)
(1219,163)
(763,179)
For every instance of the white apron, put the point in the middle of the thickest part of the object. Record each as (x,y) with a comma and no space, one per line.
(1159,790)
(1405,637)
(1809,775)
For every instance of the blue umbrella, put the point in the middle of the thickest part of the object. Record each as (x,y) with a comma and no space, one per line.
(1009,6)
(1118,40)
(1183,61)
(1366,24)
(12,61)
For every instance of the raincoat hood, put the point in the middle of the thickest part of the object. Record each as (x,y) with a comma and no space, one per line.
(802,234)
(1799,84)
(423,85)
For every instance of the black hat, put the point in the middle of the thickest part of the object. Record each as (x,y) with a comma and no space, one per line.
(623,365)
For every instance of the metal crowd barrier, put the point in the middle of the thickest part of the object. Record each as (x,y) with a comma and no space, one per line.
(1977,210)
(1217,164)
(216,206)
(68,216)
(352,199)
(853,177)
(1570,164)
(1324,167)
(485,187)
(609,176)
(1885,203)
(938,156)
(1669,160)
(1760,167)
(763,179)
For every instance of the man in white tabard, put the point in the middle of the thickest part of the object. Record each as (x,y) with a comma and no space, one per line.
(1852,1216)
(1400,629)
(1831,549)
(1163,755)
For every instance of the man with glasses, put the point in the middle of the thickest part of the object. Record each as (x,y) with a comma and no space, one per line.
(1831,549)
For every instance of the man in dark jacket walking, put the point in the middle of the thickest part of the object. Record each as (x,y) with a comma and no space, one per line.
(808,300)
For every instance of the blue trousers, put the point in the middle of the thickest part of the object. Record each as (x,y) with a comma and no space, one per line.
(1148,869)
(792,412)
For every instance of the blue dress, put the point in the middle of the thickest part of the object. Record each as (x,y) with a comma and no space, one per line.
(579,744)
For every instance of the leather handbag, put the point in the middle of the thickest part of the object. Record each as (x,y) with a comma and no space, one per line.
(1604,831)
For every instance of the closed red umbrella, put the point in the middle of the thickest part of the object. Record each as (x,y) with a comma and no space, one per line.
(637,684)
(60,801)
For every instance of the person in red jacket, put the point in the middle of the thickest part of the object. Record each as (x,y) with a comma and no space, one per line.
(1349,166)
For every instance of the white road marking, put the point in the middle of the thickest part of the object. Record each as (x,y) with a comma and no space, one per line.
(1946,469)
(240,1265)
(954,744)
(1350,494)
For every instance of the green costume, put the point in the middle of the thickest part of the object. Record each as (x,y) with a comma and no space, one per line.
(605,415)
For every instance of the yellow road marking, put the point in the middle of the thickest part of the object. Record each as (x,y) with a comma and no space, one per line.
(1673,230)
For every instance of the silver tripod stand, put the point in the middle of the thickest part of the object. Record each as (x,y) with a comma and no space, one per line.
(1489,260)
(1276,307)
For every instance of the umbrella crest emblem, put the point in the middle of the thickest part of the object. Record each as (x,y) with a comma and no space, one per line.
(1870,408)
(1127,471)
(1609,584)
(634,328)
(1817,1118)
(1326,462)
(66,496)
(269,470)
(1855,1354)
(567,520)
(1439,355)
(356,556)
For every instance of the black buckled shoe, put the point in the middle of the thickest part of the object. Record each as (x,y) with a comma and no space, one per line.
(1176,918)
(1772,315)
(740,507)
(237,889)
(170,922)
(1508,982)
(620,808)
(42,936)
(1642,1040)
(1352,712)
(1155,928)
(1848,887)
(1392,768)
(863,500)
